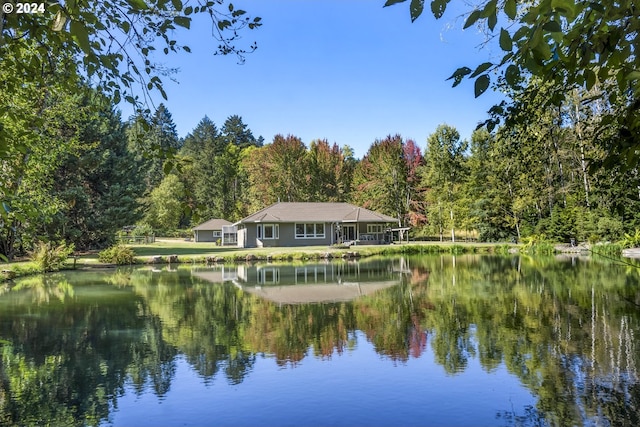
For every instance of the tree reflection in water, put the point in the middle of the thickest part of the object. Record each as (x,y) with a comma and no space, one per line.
(72,343)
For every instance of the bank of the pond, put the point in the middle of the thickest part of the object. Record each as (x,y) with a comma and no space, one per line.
(174,251)
(166,251)
(149,254)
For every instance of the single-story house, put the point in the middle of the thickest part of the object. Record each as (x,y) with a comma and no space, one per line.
(312,224)
(216,230)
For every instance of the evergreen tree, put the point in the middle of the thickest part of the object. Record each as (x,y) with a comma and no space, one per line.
(98,185)
(237,133)
(203,134)
(159,138)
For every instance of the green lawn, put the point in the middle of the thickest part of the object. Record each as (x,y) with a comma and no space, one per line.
(179,247)
(165,247)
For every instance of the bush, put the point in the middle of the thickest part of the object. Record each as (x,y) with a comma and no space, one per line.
(607,249)
(142,230)
(117,254)
(49,257)
(537,244)
(631,240)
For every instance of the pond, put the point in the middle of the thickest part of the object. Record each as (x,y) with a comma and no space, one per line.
(415,341)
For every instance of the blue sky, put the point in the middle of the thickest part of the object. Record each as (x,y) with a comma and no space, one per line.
(349,71)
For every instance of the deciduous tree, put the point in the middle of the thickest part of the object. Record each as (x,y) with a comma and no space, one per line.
(570,45)
(380,179)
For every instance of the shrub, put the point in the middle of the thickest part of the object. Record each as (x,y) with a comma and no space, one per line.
(142,230)
(117,254)
(631,240)
(49,257)
(607,249)
(537,244)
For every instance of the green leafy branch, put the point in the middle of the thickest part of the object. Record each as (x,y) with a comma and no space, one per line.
(571,43)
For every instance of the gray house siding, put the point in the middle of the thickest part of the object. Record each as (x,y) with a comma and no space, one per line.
(286,237)
(291,224)
(207,235)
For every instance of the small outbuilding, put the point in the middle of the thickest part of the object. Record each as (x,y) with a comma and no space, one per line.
(216,230)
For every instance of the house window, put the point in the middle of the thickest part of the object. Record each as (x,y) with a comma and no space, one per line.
(310,231)
(268,276)
(217,233)
(374,228)
(268,231)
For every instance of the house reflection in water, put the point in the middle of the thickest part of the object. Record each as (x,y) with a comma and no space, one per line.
(311,283)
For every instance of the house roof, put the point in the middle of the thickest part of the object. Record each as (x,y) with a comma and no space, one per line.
(315,293)
(315,212)
(212,224)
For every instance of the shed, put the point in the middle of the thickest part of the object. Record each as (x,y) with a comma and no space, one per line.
(212,231)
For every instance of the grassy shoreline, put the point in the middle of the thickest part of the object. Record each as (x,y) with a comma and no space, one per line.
(203,253)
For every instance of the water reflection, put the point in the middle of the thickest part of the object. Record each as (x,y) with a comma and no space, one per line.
(312,282)
(75,345)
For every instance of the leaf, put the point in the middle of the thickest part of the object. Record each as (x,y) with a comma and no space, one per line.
(481,85)
(183,21)
(79,33)
(633,75)
(590,78)
(166,168)
(59,21)
(512,75)
(552,27)
(492,21)
(177,4)
(481,68)
(459,74)
(188,10)
(506,43)
(392,2)
(138,4)
(565,7)
(472,19)
(416,8)
(186,48)
(438,7)
(510,8)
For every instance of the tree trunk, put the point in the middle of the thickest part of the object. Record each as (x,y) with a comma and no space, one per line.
(453,234)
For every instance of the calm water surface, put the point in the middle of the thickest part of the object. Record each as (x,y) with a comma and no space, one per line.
(438,340)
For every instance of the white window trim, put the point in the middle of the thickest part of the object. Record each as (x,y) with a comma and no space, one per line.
(260,232)
(374,228)
(315,235)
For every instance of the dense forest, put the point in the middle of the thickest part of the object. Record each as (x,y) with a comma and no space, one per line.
(92,173)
